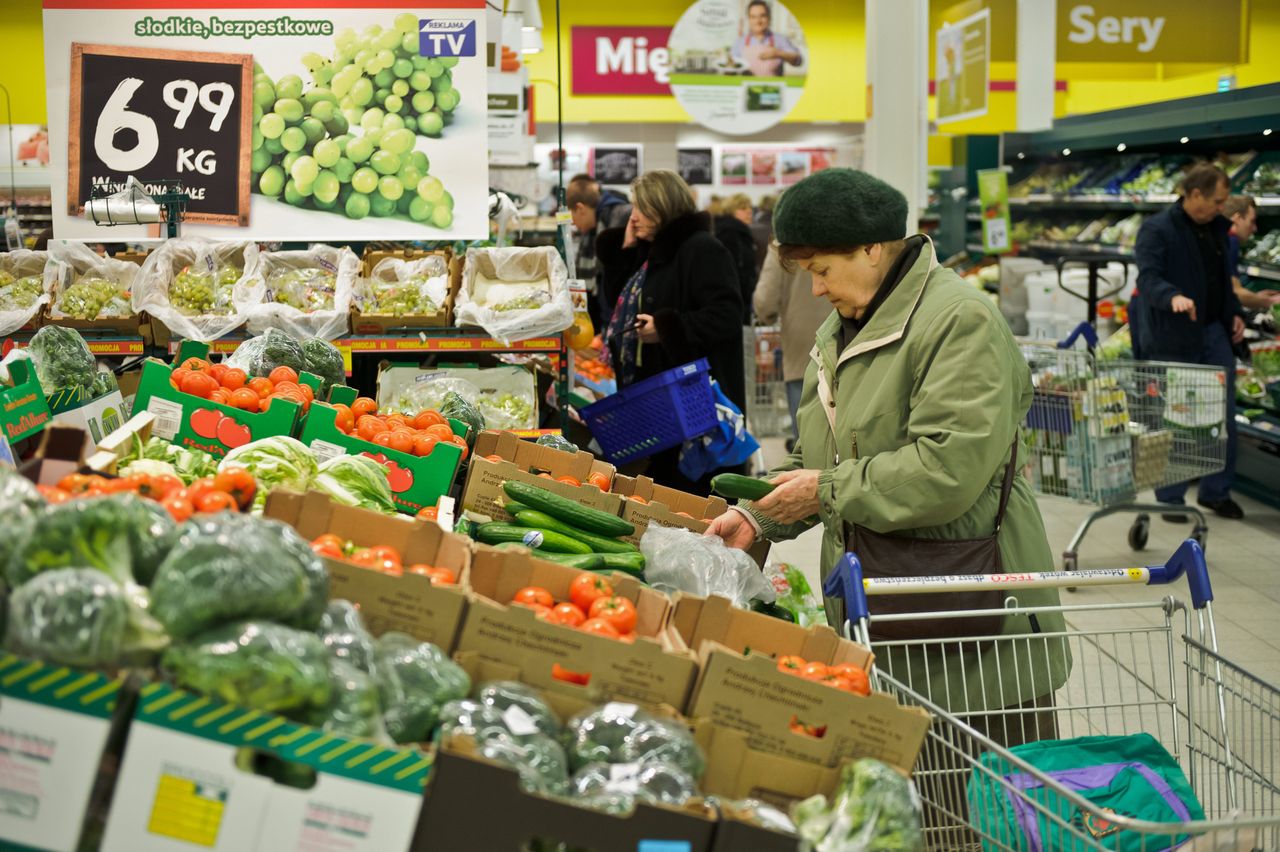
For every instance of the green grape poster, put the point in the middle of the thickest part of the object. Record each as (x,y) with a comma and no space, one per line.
(296,122)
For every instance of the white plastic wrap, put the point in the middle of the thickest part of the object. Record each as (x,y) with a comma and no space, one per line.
(78,280)
(400,287)
(17,269)
(507,397)
(677,559)
(320,279)
(515,293)
(201,277)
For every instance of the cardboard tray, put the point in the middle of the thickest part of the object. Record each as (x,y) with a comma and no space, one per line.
(375,324)
(483,492)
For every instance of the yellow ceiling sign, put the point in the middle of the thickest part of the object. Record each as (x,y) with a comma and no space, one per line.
(1153,31)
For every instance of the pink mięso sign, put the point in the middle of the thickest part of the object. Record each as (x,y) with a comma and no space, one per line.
(620,60)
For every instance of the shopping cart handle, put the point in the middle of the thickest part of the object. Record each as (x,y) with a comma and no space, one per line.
(846,582)
(1090,336)
(1187,559)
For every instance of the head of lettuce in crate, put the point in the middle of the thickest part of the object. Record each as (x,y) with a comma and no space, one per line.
(909,445)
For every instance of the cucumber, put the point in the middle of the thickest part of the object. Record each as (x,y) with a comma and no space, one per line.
(567,511)
(582,561)
(740,487)
(513,508)
(774,610)
(496,533)
(630,563)
(597,543)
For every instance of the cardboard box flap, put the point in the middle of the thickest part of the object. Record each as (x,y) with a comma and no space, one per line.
(527,455)
(736,771)
(664,497)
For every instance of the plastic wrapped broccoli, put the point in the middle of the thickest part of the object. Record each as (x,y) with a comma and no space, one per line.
(20,505)
(343,632)
(62,359)
(519,703)
(354,708)
(649,781)
(875,809)
(324,359)
(258,356)
(415,680)
(539,760)
(624,733)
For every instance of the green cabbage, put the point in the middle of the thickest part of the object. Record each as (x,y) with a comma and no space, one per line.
(356,481)
(277,462)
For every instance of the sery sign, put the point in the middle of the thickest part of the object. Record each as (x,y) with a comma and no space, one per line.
(1152,31)
(620,60)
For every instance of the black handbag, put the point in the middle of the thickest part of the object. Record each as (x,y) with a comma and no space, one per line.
(890,556)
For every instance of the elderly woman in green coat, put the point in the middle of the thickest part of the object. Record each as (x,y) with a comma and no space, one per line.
(908,420)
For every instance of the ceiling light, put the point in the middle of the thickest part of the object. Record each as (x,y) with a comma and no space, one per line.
(1267,132)
(1121,146)
(1021,155)
(1066,152)
(1184,140)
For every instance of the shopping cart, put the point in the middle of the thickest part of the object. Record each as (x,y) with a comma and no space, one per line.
(767,412)
(1103,430)
(1153,668)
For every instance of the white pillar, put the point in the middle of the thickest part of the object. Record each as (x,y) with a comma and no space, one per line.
(1037,40)
(896,145)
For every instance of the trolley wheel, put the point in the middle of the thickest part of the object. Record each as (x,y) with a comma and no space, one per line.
(1138,532)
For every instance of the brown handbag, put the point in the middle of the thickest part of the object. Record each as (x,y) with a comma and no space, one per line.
(892,556)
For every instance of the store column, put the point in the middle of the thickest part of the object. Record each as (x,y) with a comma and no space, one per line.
(897,128)
(1037,36)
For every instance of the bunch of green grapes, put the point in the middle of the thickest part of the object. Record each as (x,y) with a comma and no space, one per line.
(525,302)
(200,292)
(19,294)
(308,289)
(399,298)
(347,143)
(93,296)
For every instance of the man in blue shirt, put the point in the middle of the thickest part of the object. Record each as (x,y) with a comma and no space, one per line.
(1242,210)
(761,48)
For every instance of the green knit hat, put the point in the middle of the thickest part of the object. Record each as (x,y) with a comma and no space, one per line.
(840,208)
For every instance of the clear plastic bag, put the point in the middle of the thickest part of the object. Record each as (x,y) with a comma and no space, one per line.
(343,632)
(649,781)
(22,288)
(87,286)
(875,808)
(354,708)
(665,740)
(302,293)
(20,505)
(529,708)
(62,359)
(795,595)
(415,679)
(624,733)
(677,559)
(258,356)
(188,283)
(508,399)
(398,287)
(515,293)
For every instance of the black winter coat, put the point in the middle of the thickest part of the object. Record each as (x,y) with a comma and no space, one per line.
(741,243)
(693,293)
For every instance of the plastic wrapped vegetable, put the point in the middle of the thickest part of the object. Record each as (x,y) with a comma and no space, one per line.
(278,462)
(85,285)
(794,594)
(255,664)
(648,781)
(188,283)
(79,617)
(557,442)
(20,505)
(404,287)
(306,290)
(503,695)
(62,359)
(229,567)
(343,632)
(22,290)
(324,359)
(454,407)
(121,535)
(875,809)
(258,356)
(315,601)
(415,680)
(597,736)
(303,293)
(677,559)
(539,762)
(356,481)
(474,719)
(354,709)
(664,740)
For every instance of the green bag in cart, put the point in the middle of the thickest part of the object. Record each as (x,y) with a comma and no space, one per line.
(1132,776)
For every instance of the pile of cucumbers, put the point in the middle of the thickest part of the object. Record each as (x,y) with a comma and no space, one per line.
(560,530)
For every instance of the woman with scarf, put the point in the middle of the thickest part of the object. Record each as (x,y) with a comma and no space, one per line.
(681,300)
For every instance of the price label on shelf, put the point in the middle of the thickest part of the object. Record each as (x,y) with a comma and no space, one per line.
(162,115)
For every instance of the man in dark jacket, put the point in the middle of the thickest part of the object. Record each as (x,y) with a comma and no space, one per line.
(1187,310)
(594,210)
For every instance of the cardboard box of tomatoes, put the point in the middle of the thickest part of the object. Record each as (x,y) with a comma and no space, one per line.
(422,458)
(505,622)
(500,456)
(795,691)
(207,406)
(391,583)
(23,408)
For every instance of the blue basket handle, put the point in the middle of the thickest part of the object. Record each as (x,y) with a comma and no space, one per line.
(845,582)
(1090,336)
(1187,559)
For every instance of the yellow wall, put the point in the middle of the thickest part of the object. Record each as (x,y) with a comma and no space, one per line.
(22,66)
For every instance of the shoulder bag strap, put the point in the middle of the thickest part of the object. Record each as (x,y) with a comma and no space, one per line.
(1007,485)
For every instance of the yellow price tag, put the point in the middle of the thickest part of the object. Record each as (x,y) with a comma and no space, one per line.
(345,349)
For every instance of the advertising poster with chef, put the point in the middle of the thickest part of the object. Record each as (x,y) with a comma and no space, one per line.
(289,121)
(738,66)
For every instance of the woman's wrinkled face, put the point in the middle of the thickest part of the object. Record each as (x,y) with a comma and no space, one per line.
(641,225)
(848,281)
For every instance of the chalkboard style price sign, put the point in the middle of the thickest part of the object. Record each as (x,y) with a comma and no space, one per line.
(162,115)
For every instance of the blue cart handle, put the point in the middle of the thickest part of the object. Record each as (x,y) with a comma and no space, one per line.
(846,583)
(1090,337)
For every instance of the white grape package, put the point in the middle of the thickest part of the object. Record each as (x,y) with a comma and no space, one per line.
(515,293)
(22,288)
(84,285)
(400,287)
(302,293)
(188,283)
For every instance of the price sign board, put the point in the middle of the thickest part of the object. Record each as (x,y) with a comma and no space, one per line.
(993,195)
(159,115)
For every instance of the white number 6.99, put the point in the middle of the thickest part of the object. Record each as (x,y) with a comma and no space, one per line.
(190,94)
(117,116)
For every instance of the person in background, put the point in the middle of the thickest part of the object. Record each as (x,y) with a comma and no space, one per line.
(1188,312)
(733,230)
(594,210)
(681,301)
(785,294)
(760,47)
(762,227)
(715,207)
(1242,210)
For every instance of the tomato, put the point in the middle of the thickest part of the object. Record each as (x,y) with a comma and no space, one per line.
(178,506)
(559,672)
(600,627)
(327,549)
(222,396)
(199,384)
(75,483)
(138,483)
(367,426)
(177,374)
(199,488)
(308,392)
(423,445)
(246,399)
(438,576)
(393,419)
(791,664)
(534,595)
(368,558)
(233,378)
(460,443)
(217,371)
(814,671)
(566,614)
(195,364)
(330,538)
(387,553)
(400,441)
(53,496)
(216,501)
(546,476)
(856,678)
(237,482)
(427,419)
(163,485)
(587,588)
(539,610)
(495,459)
(599,480)
(617,610)
(440,432)
(383,439)
(343,419)
(429,513)
(262,387)
(286,387)
(639,500)
(362,406)
(568,480)
(283,374)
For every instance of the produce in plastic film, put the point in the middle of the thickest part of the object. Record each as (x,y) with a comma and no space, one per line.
(228,567)
(664,740)
(23,289)
(495,410)
(324,360)
(354,709)
(598,735)
(502,695)
(19,294)
(94,297)
(200,291)
(20,505)
(532,299)
(79,617)
(343,632)
(307,289)
(794,594)
(648,781)
(756,812)
(415,680)
(315,601)
(276,462)
(875,809)
(356,481)
(557,442)
(255,664)
(410,297)
(258,356)
(539,761)
(62,359)
(454,407)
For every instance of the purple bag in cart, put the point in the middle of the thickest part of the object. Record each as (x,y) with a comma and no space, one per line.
(1132,776)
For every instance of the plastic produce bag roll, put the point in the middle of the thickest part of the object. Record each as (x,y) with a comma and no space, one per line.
(302,293)
(188,283)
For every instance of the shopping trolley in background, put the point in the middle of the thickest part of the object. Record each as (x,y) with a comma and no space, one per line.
(767,412)
(1134,669)
(1103,430)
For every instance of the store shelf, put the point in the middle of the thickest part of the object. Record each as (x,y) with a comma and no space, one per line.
(1269,272)
(428,341)
(106,347)
(1069,246)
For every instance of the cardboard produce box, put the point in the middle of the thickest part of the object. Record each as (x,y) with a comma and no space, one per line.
(663,506)
(467,791)
(407,604)
(374,323)
(23,407)
(98,416)
(60,452)
(203,424)
(656,669)
(483,490)
(182,785)
(57,724)
(737,771)
(740,687)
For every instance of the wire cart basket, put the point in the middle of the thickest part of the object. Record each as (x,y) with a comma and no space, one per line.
(1103,430)
(767,412)
(1135,669)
